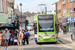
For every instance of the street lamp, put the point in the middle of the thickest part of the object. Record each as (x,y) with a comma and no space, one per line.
(43,7)
(21,10)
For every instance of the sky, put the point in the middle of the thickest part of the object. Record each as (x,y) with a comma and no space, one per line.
(32,5)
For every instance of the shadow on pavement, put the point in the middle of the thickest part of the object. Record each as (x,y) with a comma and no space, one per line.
(64,41)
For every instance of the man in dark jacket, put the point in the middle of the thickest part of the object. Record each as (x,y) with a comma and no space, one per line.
(26,34)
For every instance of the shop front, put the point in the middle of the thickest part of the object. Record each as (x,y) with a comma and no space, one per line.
(64,23)
(70,22)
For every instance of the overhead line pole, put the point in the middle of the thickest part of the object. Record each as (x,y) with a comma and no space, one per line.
(72,13)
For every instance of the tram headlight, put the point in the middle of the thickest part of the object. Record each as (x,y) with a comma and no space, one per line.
(39,36)
(53,36)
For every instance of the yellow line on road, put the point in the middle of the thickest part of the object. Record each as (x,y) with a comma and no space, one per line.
(64,45)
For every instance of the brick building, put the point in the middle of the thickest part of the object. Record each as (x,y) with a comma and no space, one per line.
(64,7)
(63,10)
(3,12)
(3,6)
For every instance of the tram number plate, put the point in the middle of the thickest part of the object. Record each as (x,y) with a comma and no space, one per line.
(46,35)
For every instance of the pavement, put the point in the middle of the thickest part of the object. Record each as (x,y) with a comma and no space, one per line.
(32,35)
(68,44)
(66,39)
(63,38)
(34,46)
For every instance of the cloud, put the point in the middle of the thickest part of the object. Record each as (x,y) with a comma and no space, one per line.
(33,6)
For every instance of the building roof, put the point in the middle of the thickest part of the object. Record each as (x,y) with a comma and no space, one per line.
(19,13)
(21,18)
(29,14)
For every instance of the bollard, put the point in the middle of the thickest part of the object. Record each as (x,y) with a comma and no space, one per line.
(71,37)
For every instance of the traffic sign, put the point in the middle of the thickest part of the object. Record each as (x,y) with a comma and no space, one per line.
(71,19)
(23,24)
(9,17)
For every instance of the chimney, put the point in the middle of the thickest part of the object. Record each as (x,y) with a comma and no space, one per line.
(32,12)
(38,13)
(27,12)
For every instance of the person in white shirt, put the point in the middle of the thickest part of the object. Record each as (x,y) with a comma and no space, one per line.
(6,38)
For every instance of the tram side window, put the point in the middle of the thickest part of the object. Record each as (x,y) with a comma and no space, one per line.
(35,30)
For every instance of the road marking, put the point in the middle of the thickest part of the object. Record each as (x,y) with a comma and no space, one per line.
(64,45)
(42,47)
(20,49)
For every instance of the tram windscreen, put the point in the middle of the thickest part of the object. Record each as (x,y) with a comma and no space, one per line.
(46,23)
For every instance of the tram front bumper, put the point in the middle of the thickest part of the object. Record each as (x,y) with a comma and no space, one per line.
(47,39)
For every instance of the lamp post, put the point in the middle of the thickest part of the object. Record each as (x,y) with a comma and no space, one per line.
(43,8)
(21,10)
(72,13)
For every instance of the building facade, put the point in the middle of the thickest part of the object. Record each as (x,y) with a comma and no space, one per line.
(54,8)
(64,11)
(11,14)
(6,9)
(64,7)
(3,12)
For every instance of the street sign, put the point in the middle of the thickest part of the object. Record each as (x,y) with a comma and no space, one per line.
(23,24)
(67,14)
(13,17)
(71,19)
(9,17)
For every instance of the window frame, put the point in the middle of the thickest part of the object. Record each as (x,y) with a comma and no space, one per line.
(60,15)
(64,10)
(68,1)
(71,0)
(71,9)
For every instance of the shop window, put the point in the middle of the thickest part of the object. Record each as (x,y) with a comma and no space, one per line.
(73,9)
(60,15)
(64,12)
